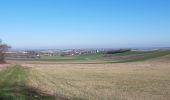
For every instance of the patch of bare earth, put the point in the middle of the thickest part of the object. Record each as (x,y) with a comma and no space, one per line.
(4,65)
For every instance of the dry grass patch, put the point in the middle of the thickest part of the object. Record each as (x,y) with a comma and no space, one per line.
(126,81)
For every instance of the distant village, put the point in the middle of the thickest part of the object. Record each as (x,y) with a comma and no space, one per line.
(37,54)
(52,52)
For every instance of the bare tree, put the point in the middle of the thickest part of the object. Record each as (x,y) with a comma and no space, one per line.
(3,49)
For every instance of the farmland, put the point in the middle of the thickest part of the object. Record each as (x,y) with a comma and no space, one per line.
(145,78)
(130,56)
(85,50)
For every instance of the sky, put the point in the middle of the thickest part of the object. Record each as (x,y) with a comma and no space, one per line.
(85,23)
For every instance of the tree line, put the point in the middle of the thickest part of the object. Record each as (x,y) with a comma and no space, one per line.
(3,49)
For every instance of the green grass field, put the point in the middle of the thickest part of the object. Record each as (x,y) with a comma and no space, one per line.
(13,85)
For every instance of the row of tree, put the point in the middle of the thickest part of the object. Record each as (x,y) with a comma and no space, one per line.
(3,48)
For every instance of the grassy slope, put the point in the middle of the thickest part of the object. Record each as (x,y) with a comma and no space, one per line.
(73,58)
(97,82)
(148,56)
(13,85)
(100,57)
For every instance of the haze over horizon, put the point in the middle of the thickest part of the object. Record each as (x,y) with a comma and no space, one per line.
(85,23)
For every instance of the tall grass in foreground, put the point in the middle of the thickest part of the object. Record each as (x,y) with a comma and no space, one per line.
(13,85)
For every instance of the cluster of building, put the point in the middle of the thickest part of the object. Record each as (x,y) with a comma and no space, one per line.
(49,52)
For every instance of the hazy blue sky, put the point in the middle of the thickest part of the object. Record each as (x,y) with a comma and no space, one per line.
(85,23)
